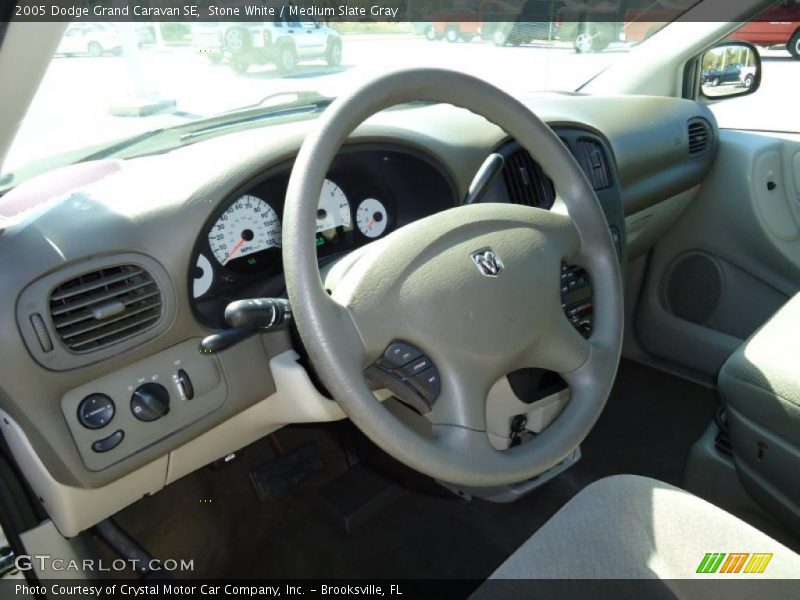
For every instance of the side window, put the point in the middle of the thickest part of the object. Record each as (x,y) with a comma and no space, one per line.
(773,107)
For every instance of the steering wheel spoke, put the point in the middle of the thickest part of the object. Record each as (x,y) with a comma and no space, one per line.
(345,340)
(462,401)
(561,349)
(562,234)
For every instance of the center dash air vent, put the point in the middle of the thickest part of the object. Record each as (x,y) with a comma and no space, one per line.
(104,307)
(699,136)
(526,182)
(592,159)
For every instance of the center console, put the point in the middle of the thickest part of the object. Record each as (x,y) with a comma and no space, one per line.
(596,160)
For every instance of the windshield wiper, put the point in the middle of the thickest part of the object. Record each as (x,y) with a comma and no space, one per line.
(306,102)
(116,147)
(301,97)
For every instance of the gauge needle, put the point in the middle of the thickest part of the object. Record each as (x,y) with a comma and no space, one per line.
(371,223)
(232,252)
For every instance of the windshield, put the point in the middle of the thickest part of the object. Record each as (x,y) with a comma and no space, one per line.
(110,81)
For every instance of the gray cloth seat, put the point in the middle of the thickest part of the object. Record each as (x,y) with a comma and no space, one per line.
(630,527)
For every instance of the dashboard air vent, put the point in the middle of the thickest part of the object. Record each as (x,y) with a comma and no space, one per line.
(104,307)
(592,159)
(526,182)
(699,136)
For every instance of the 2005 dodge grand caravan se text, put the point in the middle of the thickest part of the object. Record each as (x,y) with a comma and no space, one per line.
(404,315)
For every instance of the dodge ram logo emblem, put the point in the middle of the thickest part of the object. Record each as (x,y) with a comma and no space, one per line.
(488,263)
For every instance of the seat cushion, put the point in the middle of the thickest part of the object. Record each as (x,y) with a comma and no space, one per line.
(760,383)
(630,527)
(761,380)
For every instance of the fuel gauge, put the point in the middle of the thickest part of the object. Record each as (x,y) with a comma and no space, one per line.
(372,218)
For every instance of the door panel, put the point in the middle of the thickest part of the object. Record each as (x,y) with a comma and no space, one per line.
(731,260)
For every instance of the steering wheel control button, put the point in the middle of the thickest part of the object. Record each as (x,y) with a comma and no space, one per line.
(150,401)
(402,389)
(398,354)
(415,367)
(109,443)
(616,237)
(184,384)
(408,374)
(427,384)
(576,298)
(96,411)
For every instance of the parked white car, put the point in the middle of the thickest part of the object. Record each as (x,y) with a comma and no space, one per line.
(97,39)
(94,39)
(282,43)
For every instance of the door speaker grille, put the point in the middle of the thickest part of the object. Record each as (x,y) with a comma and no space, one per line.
(694,288)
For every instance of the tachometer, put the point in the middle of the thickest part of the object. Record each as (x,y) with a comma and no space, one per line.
(244,233)
(333,210)
(372,218)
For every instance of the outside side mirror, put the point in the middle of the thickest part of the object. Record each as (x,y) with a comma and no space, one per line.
(730,69)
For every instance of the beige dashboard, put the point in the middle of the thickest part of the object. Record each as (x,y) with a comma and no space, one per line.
(150,210)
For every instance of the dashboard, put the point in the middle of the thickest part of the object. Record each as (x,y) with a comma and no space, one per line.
(371,190)
(115,270)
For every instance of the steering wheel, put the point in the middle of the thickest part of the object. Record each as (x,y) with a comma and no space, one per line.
(421,284)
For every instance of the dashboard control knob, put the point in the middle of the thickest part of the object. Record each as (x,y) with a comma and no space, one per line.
(96,411)
(150,401)
(184,384)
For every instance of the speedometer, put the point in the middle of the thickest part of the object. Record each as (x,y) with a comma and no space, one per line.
(244,234)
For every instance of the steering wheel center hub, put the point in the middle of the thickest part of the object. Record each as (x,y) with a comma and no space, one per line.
(476,278)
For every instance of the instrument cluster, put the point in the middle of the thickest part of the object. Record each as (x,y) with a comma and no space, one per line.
(368,193)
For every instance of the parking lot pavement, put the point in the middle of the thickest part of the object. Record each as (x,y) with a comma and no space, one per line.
(71,109)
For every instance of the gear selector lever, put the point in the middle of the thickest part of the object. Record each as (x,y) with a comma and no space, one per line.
(247,318)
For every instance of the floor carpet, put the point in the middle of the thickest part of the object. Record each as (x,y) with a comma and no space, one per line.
(214,517)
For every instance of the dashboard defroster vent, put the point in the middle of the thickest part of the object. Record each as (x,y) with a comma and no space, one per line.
(592,159)
(526,182)
(699,136)
(104,307)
